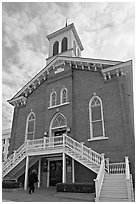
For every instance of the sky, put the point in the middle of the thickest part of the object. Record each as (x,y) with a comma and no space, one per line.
(106,30)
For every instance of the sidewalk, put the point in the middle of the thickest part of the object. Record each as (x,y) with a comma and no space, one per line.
(45,195)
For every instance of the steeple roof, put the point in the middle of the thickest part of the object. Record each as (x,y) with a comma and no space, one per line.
(64,29)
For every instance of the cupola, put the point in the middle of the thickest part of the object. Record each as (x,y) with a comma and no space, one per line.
(64,42)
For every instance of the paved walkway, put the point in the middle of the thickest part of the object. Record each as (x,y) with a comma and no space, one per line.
(45,195)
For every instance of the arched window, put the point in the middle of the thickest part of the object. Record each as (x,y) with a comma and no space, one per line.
(58,125)
(59,121)
(63,95)
(55,48)
(96,117)
(78,52)
(53,99)
(30,126)
(64,44)
(74,47)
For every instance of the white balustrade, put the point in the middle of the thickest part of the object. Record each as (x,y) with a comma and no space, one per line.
(100,178)
(127,171)
(51,142)
(117,168)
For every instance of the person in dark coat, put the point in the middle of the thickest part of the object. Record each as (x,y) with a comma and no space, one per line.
(32,180)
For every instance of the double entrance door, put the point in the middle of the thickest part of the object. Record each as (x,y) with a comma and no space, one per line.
(55,172)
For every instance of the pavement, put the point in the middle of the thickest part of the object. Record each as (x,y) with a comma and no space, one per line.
(45,195)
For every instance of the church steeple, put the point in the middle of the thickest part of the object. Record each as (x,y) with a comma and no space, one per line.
(64,42)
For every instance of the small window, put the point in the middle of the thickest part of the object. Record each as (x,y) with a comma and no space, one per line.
(3,141)
(96,117)
(55,48)
(30,126)
(64,44)
(63,95)
(53,99)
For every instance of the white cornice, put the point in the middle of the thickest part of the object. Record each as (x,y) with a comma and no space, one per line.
(43,74)
(121,65)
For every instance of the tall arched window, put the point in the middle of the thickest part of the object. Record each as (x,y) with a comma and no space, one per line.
(64,44)
(30,126)
(55,48)
(96,117)
(74,47)
(53,99)
(63,95)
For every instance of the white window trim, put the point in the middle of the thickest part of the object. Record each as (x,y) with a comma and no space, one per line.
(27,122)
(92,138)
(51,98)
(61,95)
(52,121)
(97,138)
(63,104)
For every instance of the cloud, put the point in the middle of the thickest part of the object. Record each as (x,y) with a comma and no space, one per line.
(105,29)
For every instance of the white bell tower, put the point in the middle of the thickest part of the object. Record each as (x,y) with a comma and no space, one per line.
(64,42)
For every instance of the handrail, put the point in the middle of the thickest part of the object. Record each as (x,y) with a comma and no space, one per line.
(128,178)
(117,168)
(85,152)
(100,178)
(51,142)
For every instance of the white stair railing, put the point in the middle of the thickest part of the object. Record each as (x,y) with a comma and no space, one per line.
(99,179)
(117,168)
(82,150)
(128,179)
(47,143)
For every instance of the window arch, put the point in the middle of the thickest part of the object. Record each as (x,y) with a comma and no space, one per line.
(64,44)
(64,95)
(96,117)
(55,48)
(53,99)
(30,126)
(58,123)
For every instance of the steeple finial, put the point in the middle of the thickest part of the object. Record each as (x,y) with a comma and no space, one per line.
(66,21)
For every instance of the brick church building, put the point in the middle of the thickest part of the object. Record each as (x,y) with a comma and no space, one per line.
(73,121)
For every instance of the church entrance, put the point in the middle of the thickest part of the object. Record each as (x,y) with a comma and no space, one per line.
(59,132)
(58,125)
(55,172)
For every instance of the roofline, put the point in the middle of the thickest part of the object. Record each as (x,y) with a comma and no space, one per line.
(50,36)
(129,62)
(63,58)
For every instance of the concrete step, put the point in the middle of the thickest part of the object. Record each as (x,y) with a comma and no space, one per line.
(113,200)
(108,195)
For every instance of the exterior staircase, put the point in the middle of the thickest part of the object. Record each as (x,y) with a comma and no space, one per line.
(113,182)
(114,188)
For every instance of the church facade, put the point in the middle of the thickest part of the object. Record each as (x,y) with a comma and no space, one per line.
(88,100)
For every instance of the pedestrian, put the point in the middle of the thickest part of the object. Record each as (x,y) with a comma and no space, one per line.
(32,180)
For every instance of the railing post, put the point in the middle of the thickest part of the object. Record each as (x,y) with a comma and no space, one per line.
(27,145)
(107,160)
(64,140)
(14,155)
(127,170)
(102,156)
(44,145)
(82,143)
